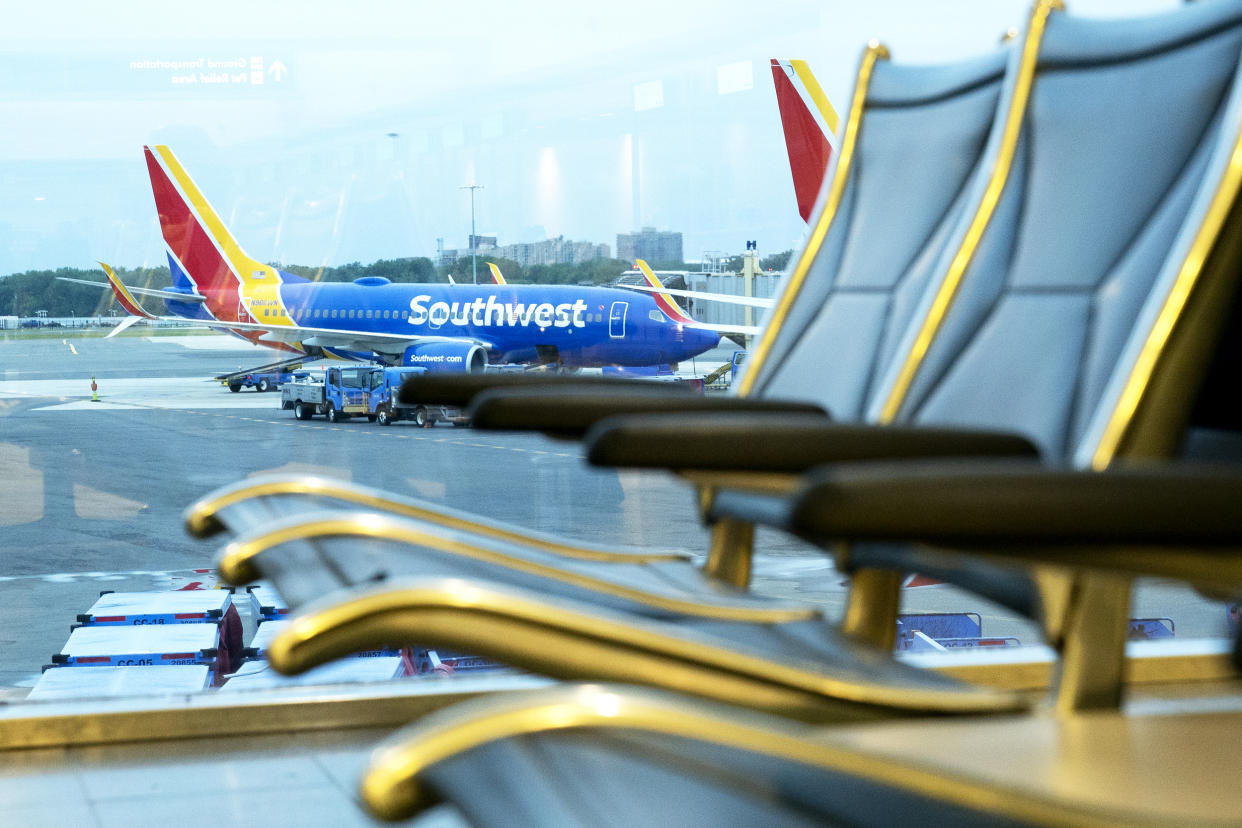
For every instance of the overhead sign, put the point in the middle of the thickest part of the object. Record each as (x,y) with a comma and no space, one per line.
(186,72)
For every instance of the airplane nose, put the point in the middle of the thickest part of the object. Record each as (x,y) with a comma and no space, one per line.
(702,340)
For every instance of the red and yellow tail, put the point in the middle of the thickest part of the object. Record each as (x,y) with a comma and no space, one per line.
(667,304)
(805,139)
(202,254)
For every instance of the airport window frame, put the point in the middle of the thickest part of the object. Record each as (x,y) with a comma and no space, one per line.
(399,314)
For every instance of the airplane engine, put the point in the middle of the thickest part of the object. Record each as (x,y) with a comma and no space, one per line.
(446,357)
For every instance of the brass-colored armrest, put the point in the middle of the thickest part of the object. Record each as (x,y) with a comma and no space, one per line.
(240,563)
(393,786)
(569,640)
(392,790)
(203,520)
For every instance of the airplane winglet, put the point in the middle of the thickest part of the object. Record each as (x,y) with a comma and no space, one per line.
(123,296)
(496,277)
(667,304)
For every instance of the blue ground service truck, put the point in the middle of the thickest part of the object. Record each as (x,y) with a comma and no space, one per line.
(366,390)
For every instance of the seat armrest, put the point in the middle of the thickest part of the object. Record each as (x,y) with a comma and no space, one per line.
(940,517)
(995,503)
(460,389)
(778,441)
(570,412)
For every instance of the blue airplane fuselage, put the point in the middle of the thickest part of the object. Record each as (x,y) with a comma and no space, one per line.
(576,326)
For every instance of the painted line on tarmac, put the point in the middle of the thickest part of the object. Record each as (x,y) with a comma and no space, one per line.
(170,575)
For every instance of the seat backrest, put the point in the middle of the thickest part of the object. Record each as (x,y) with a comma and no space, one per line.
(1109,196)
(878,224)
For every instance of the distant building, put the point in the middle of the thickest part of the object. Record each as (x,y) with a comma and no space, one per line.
(549,251)
(650,244)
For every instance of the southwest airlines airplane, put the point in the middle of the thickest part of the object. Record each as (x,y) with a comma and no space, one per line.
(442,327)
(447,327)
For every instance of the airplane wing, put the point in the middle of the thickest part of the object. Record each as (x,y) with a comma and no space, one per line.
(383,343)
(124,292)
(176,296)
(753,301)
(323,337)
(749,330)
(669,306)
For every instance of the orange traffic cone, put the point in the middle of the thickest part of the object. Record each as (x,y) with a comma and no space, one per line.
(94,391)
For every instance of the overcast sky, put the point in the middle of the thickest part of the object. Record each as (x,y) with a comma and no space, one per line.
(580,120)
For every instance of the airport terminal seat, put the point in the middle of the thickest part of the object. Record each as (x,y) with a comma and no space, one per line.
(1123,268)
(1104,354)
(866,248)
(625,756)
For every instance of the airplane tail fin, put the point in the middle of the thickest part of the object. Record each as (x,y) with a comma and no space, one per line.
(806,140)
(496,277)
(667,304)
(202,255)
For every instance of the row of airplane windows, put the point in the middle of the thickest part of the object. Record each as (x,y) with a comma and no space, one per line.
(336,313)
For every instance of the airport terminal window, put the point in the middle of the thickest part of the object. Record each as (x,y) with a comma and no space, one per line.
(345,170)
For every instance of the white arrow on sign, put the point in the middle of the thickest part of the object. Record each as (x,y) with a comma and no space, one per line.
(277,70)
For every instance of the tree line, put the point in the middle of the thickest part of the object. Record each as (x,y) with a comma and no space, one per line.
(34,291)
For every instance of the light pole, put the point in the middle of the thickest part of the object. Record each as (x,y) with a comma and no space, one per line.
(474,265)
